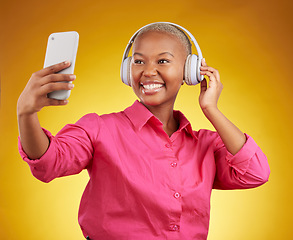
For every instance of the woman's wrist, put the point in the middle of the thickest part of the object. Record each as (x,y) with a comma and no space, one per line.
(210,112)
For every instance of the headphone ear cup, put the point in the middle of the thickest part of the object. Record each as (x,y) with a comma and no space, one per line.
(187,78)
(194,69)
(191,70)
(125,71)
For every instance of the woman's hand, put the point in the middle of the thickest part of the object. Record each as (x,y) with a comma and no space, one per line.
(210,92)
(231,136)
(34,96)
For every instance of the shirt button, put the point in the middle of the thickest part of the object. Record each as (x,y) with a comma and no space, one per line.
(174,227)
(168,145)
(177,195)
(173,164)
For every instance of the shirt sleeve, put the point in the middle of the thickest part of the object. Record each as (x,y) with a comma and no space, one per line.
(246,169)
(69,152)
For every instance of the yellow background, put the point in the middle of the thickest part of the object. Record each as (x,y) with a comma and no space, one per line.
(249,42)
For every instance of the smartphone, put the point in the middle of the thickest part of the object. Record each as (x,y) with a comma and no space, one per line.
(62,46)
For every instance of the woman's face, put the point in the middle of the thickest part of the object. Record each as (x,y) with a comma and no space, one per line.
(157,68)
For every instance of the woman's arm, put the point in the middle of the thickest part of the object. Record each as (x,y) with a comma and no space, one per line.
(33,98)
(231,136)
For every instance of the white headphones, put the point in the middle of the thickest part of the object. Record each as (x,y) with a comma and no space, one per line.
(192,65)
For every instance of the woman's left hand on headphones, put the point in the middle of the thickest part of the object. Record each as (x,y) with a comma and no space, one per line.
(210,91)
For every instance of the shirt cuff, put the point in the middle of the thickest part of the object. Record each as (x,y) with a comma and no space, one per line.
(241,160)
(33,162)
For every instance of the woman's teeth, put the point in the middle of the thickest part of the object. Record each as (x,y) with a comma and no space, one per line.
(152,86)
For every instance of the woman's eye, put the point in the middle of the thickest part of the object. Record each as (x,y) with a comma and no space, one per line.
(163,61)
(138,61)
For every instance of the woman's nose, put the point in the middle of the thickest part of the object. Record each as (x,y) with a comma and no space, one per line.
(149,70)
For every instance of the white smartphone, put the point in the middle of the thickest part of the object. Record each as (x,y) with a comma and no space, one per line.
(62,46)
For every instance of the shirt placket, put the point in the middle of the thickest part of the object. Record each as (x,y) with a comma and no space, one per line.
(173,166)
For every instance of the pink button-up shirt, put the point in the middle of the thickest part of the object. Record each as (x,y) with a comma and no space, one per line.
(144,184)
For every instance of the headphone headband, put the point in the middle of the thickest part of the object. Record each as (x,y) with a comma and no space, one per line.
(124,73)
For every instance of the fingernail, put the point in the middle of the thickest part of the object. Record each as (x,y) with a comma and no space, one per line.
(204,59)
(71,85)
(66,62)
(72,77)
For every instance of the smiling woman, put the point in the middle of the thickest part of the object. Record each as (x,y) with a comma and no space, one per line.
(249,42)
(158,60)
(158,182)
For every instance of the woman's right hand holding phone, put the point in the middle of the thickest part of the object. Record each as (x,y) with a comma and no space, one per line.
(34,96)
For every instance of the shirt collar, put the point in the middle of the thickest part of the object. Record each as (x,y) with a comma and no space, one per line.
(184,124)
(139,115)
